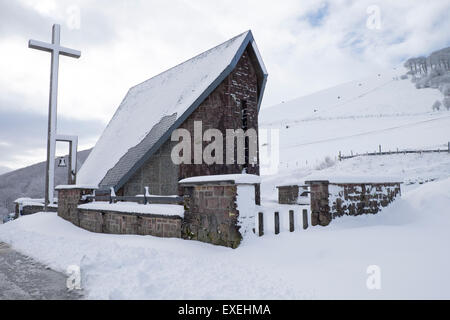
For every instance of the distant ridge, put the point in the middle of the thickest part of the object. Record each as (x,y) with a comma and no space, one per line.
(29,182)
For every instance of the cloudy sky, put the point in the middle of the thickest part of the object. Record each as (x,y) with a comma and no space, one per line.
(306,45)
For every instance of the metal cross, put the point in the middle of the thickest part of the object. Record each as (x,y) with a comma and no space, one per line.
(55,49)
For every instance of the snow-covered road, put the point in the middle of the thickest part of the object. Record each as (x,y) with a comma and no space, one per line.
(22,277)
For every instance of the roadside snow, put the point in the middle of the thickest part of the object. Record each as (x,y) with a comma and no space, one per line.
(408,241)
(236,178)
(355,178)
(133,207)
(75,186)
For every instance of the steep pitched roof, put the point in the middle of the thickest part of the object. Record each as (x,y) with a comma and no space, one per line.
(153,109)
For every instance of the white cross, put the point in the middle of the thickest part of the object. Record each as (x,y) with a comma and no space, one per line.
(55,49)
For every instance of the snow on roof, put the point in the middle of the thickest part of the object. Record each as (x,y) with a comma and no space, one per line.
(171,93)
(235,178)
(133,207)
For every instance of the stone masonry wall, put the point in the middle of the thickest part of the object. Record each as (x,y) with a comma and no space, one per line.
(320,210)
(211,215)
(330,200)
(288,194)
(104,221)
(130,223)
(355,199)
(68,201)
(29,209)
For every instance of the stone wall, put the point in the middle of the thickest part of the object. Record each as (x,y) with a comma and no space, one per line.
(320,209)
(291,194)
(330,200)
(31,209)
(108,221)
(26,209)
(211,215)
(68,201)
(130,223)
(355,199)
(288,194)
(220,110)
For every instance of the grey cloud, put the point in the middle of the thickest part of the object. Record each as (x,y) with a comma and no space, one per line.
(16,19)
(23,133)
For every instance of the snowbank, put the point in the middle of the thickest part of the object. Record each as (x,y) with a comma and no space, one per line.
(333,178)
(75,186)
(133,207)
(408,241)
(235,178)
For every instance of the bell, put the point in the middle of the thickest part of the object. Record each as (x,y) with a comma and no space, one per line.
(62,162)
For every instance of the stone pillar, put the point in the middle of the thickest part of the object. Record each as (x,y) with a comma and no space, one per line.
(212,214)
(320,209)
(69,197)
(288,194)
(16,210)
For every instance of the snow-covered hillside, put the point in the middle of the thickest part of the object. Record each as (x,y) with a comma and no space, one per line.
(358,116)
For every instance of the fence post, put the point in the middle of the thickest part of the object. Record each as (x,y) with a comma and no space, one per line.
(291,221)
(305,219)
(379,147)
(260,224)
(448,147)
(277,222)
(112,195)
(146,195)
(340,157)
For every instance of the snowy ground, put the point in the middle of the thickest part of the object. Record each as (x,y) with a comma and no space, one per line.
(408,241)
(22,277)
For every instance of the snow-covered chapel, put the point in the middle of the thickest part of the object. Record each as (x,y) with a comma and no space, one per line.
(222,87)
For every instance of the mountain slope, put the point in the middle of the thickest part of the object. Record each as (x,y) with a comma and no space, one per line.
(385,109)
(30,181)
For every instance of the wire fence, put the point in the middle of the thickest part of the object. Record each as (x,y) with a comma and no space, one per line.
(380,152)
